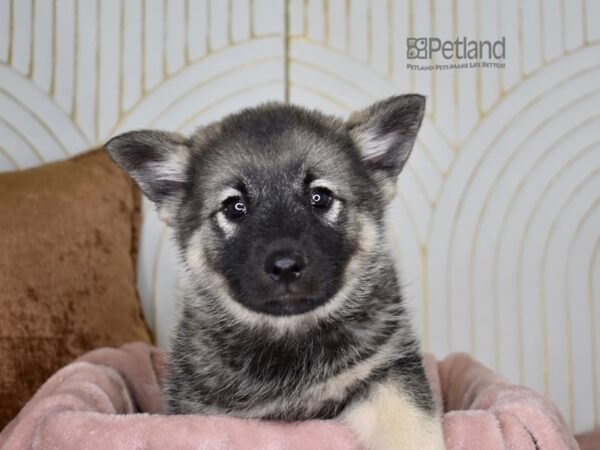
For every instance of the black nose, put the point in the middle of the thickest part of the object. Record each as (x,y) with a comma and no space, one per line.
(285,267)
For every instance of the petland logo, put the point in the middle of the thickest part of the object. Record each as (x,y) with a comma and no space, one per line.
(464,53)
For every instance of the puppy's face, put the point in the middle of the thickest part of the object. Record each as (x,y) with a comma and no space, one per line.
(270,205)
(274,202)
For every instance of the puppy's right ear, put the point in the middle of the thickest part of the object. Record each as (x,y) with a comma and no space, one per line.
(157,161)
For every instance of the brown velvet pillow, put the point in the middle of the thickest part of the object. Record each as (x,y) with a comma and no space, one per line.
(68,245)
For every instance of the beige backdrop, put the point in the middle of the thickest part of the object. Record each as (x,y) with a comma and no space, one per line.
(497,225)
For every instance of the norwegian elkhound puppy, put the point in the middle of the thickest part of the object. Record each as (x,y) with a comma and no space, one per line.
(291,307)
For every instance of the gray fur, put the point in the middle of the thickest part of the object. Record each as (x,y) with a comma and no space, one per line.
(229,358)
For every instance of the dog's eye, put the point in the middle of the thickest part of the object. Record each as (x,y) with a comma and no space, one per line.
(320,197)
(234,207)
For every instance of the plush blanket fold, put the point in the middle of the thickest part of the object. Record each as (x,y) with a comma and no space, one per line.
(111,399)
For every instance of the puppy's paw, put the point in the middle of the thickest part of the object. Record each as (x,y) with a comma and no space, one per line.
(389,420)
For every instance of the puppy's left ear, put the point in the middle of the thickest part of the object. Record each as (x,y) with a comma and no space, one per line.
(385,133)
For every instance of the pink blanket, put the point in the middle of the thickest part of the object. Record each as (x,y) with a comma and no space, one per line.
(110,399)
